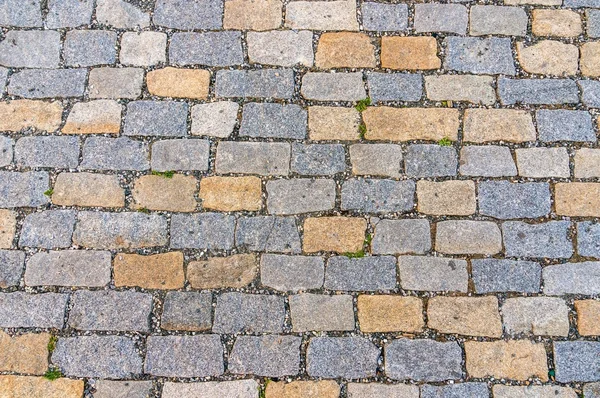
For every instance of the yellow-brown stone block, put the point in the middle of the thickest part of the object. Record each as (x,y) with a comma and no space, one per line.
(333,123)
(405,124)
(27,353)
(409,53)
(469,316)
(345,50)
(39,387)
(335,234)
(455,198)
(386,313)
(158,271)
(577,199)
(94,117)
(155,192)
(231,193)
(303,389)
(484,125)
(8,223)
(588,317)
(21,114)
(88,190)
(178,83)
(253,14)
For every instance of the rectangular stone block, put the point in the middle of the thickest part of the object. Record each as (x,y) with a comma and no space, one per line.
(341,357)
(424,273)
(299,388)
(8,224)
(69,268)
(572,278)
(401,237)
(506,200)
(396,86)
(579,199)
(318,312)
(208,48)
(236,271)
(262,158)
(291,273)
(324,86)
(25,353)
(48,229)
(48,83)
(495,275)
(483,125)
(23,189)
(549,239)
(236,388)
(390,313)
(588,239)
(281,47)
(337,234)
(470,316)
(158,271)
(202,231)
(565,125)
(268,233)
(49,151)
(155,192)
(407,124)
(267,83)
(497,20)
(6,151)
(129,388)
(268,355)
(376,159)
(371,273)
(588,312)
(90,47)
(13,263)
(333,123)
(587,163)
(30,49)
(170,155)
(448,18)
(116,83)
(423,360)
(69,13)
(321,15)
(189,311)
(161,118)
(102,230)
(384,17)
(318,159)
(143,48)
(468,237)
(468,389)
(409,53)
(501,391)
(479,56)
(249,313)
(231,193)
(123,153)
(273,120)
(94,117)
(179,82)
(577,361)
(22,114)
(378,196)
(188,14)
(300,195)
(473,89)
(537,91)
(543,162)
(24,15)
(446,197)
(216,119)
(540,316)
(184,356)
(25,310)
(88,190)
(22,386)
(345,50)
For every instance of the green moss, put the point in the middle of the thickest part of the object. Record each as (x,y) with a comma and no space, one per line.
(164,174)
(49,192)
(362,104)
(262,389)
(143,210)
(52,344)
(358,254)
(368,240)
(445,142)
(53,374)
(362,131)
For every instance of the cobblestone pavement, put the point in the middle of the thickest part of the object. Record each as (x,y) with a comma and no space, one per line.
(299,199)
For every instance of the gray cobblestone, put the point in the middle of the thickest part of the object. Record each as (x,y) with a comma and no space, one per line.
(591,390)
(190,311)
(69,268)
(209,48)
(319,312)
(271,356)
(541,316)
(120,14)
(216,119)
(263,158)
(180,155)
(115,357)
(506,200)
(588,239)
(123,153)
(543,162)
(537,240)
(396,86)
(368,390)
(429,160)
(202,231)
(458,390)
(468,237)
(291,273)
(300,196)
(3,77)
(69,13)
(495,275)
(128,230)
(372,273)
(25,310)
(184,356)
(48,229)
(90,47)
(487,161)
(346,357)
(401,236)
(423,360)
(161,118)
(479,56)
(323,86)
(498,20)
(376,159)
(122,389)
(565,125)
(283,48)
(50,151)
(269,83)
(246,388)
(13,263)
(116,82)
(590,93)
(48,83)
(378,196)
(577,361)
(572,278)
(433,17)
(385,17)
(318,159)
(593,24)
(470,88)
(548,391)
(273,120)
(424,273)
(188,14)
(6,151)
(143,48)
(21,14)
(248,313)
(537,91)
(30,49)
(268,233)
(23,189)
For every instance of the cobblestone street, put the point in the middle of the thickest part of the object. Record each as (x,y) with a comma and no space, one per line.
(299,199)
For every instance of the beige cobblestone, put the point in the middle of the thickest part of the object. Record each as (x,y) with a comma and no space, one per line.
(178,83)
(470,316)
(386,313)
(405,124)
(21,114)
(549,57)
(94,117)
(410,53)
(231,193)
(333,123)
(88,190)
(588,317)
(590,59)
(159,271)
(587,163)
(446,197)
(29,386)
(321,15)
(253,14)
(154,192)
(345,50)
(468,237)
(578,199)
(556,23)
(8,224)
(484,125)
(303,389)
(336,234)
(235,271)
(27,353)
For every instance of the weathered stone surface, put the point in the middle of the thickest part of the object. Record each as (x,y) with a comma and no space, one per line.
(231,193)
(424,273)
(338,234)
(565,125)
(323,86)
(248,313)
(69,13)
(30,49)
(48,229)
(6,151)
(345,50)
(543,162)
(513,359)
(468,237)
(346,357)
(387,313)
(588,312)
(26,353)
(497,20)
(374,273)
(577,361)
(269,83)
(115,83)
(318,159)
(321,15)
(236,388)
(263,158)
(366,390)
(121,15)
(470,88)
(300,196)
(479,56)
(48,83)
(29,386)
(178,83)
(283,48)
(88,190)
(8,224)
(103,230)
(577,199)
(401,236)
(269,355)
(184,356)
(405,124)
(169,155)
(68,268)
(557,23)
(190,311)
(590,93)
(13,263)
(158,271)
(486,161)
(94,117)
(471,316)
(549,57)
(24,310)
(50,151)
(291,273)
(268,233)
(378,196)
(506,200)
(122,153)
(110,310)
(21,114)
(482,125)
(537,91)
(376,159)
(449,18)
(446,198)
(215,119)
(155,192)
(273,120)
(587,163)
(588,243)
(202,231)
(572,278)
(253,14)
(532,391)
(318,312)
(537,240)
(591,390)
(188,14)
(411,53)
(21,14)
(208,48)
(541,316)
(430,160)
(23,189)
(122,389)
(394,86)
(423,360)
(90,47)
(303,389)
(235,271)
(384,17)
(457,390)
(162,118)
(494,275)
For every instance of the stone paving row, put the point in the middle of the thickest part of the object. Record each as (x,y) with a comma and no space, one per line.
(299,199)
